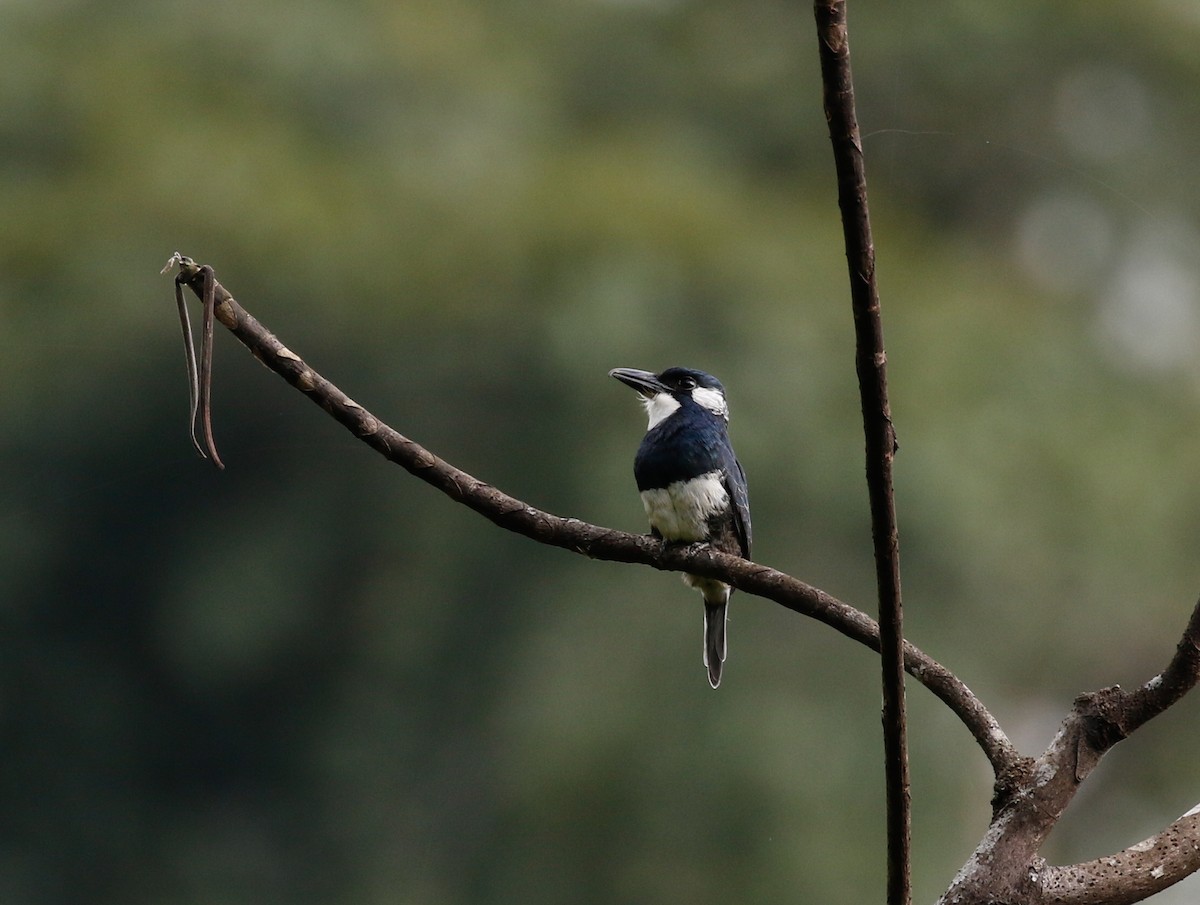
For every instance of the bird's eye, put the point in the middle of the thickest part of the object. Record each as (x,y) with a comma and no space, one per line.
(687,383)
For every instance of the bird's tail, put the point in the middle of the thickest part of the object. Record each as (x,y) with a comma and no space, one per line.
(714,639)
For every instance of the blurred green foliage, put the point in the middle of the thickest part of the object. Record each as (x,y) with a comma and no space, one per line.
(312,679)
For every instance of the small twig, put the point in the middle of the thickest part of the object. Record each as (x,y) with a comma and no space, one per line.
(591,540)
(881,446)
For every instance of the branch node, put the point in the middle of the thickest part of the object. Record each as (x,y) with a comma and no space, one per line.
(367,425)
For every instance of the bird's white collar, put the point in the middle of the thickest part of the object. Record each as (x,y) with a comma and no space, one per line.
(713,400)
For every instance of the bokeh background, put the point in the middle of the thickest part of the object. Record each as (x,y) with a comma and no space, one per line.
(311,679)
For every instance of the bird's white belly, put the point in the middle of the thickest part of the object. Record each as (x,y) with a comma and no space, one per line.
(680,511)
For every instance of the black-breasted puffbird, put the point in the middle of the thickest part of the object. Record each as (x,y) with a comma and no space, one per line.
(692,485)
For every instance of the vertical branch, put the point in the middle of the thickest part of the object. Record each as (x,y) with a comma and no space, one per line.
(880,438)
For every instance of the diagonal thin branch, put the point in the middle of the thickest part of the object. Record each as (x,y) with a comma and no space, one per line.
(871,362)
(591,540)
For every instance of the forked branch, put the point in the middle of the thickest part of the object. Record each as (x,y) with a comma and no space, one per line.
(1006,867)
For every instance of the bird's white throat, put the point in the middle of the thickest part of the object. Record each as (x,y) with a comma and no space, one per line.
(659,408)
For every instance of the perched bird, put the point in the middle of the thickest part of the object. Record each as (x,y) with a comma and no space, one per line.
(691,482)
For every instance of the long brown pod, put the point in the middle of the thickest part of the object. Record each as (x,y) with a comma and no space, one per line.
(199,379)
(206,353)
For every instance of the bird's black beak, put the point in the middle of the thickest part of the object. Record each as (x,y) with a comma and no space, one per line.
(644,382)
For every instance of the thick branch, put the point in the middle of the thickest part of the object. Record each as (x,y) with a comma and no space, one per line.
(1007,860)
(592,540)
(877,425)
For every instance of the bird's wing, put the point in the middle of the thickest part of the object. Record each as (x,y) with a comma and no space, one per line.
(735,486)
